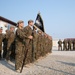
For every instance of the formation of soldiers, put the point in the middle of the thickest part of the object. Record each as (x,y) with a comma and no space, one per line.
(66,45)
(28,40)
(7,43)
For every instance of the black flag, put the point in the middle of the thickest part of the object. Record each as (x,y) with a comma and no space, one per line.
(39,22)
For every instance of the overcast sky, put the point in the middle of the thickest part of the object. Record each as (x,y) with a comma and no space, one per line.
(58,15)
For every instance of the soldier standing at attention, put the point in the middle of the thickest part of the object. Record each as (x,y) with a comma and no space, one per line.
(34,43)
(69,44)
(74,44)
(46,43)
(50,39)
(38,44)
(29,42)
(10,36)
(42,44)
(60,45)
(65,45)
(20,47)
(42,51)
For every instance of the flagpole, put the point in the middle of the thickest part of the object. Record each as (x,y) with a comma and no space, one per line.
(39,29)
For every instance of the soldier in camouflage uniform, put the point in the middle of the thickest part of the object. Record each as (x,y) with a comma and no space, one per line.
(29,42)
(34,51)
(42,51)
(65,45)
(69,44)
(38,44)
(73,44)
(60,45)
(10,36)
(42,44)
(20,45)
(1,39)
(50,44)
(45,44)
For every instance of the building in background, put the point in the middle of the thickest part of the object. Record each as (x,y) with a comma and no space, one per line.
(4,25)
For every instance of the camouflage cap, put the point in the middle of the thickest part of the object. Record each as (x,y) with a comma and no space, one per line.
(20,21)
(30,21)
(12,26)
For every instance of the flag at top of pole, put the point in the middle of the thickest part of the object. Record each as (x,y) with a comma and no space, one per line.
(39,22)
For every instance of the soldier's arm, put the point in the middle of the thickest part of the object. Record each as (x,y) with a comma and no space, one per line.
(26,32)
(21,34)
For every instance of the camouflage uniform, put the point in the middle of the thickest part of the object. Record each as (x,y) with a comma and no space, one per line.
(50,45)
(65,45)
(69,44)
(10,36)
(40,39)
(46,44)
(73,44)
(29,43)
(60,45)
(43,41)
(38,45)
(34,45)
(20,47)
(42,51)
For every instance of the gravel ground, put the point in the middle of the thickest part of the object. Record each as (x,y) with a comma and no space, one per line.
(56,63)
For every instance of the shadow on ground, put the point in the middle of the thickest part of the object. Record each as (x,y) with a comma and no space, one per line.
(67,63)
(67,73)
(7,64)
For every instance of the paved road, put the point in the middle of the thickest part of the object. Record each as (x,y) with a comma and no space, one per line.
(56,63)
